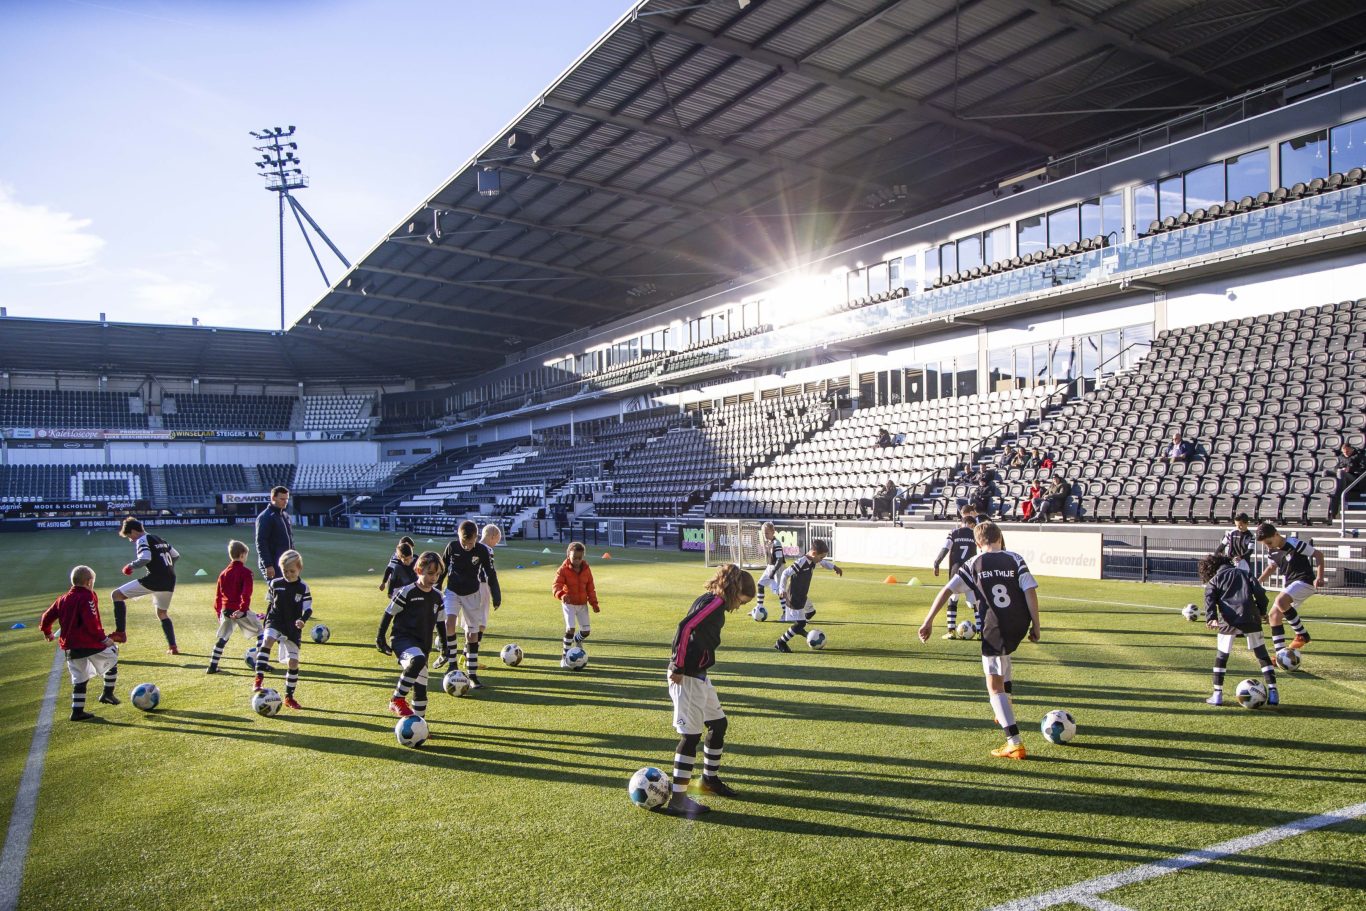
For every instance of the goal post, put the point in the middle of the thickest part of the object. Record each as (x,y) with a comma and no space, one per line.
(741,541)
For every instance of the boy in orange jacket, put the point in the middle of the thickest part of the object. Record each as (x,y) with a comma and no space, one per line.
(574,587)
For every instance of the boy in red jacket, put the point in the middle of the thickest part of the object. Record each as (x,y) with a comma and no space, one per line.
(232,603)
(574,587)
(89,652)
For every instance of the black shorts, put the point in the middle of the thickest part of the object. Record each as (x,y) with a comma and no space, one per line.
(401,644)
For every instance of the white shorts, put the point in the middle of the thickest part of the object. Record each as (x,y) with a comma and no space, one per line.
(791,615)
(485,598)
(1299,592)
(409,655)
(997,665)
(135,589)
(1253,641)
(473,615)
(695,704)
(972,602)
(289,649)
(770,582)
(96,665)
(576,615)
(248,623)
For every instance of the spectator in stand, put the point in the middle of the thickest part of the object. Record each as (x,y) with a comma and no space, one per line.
(1351,466)
(884,438)
(1179,450)
(1046,462)
(986,493)
(884,501)
(1020,459)
(1056,495)
(1032,502)
(1006,458)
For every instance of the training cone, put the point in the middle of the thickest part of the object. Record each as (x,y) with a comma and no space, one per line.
(431,541)
(914,581)
(200,572)
(370,570)
(17,626)
(535,562)
(890,580)
(545,550)
(606,555)
(520,566)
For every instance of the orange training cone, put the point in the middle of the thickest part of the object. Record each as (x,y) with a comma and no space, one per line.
(606,555)
(890,580)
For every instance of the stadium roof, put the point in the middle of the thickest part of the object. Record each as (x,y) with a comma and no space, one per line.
(696,142)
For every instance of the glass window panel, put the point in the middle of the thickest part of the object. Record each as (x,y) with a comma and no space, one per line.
(895,381)
(1002,369)
(996,244)
(967,382)
(1109,347)
(858,283)
(1249,174)
(969,252)
(931,382)
(1145,207)
(1170,197)
(877,278)
(1348,148)
(1205,186)
(948,258)
(1088,355)
(1092,225)
(946,380)
(1062,226)
(1040,365)
(894,273)
(1112,217)
(1304,158)
(931,268)
(1062,361)
(915,385)
(1031,235)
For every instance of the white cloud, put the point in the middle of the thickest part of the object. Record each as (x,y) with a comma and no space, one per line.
(34,237)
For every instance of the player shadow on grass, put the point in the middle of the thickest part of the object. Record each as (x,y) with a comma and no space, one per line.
(1223,741)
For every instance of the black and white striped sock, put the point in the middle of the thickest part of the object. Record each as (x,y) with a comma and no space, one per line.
(1292,617)
(952,612)
(683,768)
(568,640)
(1268,669)
(1277,637)
(796,629)
(291,680)
(471,658)
(1220,668)
(262,659)
(760,598)
(405,683)
(217,652)
(420,699)
(78,697)
(111,679)
(711,761)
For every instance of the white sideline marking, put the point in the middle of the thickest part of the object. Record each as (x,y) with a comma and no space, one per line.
(26,801)
(1087,892)
(1164,607)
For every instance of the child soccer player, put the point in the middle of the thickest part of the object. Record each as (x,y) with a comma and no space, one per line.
(960,547)
(465,561)
(89,652)
(413,611)
(777,559)
(576,591)
(232,603)
(1302,568)
(1235,604)
(291,605)
(159,558)
(1003,585)
(401,560)
(795,585)
(696,706)
(1237,543)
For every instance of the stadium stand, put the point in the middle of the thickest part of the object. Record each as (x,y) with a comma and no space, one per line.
(88,483)
(208,411)
(1335,181)
(833,474)
(336,412)
(458,486)
(330,478)
(194,484)
(674,471)
(61,408)
(1267,401)
(275,474)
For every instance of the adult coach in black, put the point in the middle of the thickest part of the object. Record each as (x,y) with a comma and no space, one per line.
(274,533)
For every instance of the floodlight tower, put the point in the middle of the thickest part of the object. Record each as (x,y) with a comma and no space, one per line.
(280,167)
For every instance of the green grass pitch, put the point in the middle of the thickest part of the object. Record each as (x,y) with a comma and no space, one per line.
(864,769)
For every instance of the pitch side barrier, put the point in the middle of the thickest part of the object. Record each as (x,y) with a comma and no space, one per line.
(63,524)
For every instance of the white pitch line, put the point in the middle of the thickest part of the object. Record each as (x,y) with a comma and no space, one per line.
(25,809)
(1096,903)
(1165,608)
(1082,892)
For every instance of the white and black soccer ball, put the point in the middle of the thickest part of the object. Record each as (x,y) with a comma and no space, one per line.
(321,634)
(412,731)
(759,614)
(576,659)
(649,788)
(455,682)
(1058,726)
(146,696)
(965,630)
(1289,658)
(511,654)
(1190,612)
(1251,694)
(266,703)
(250,657)
(816,638)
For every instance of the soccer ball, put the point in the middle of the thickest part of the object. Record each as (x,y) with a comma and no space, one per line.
(266,703)
(1289,658)
(649,788)
(815,639)
(321,634)
(412,731)
(1190,612)
(966,630)
(456,683)
(250,658)
(1058,726)
(512,654)
(1251,694)
(576,659)
(759,613)
(146,696)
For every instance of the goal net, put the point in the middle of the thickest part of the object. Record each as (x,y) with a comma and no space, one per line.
(741,541)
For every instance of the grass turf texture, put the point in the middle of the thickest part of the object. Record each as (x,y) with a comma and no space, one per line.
(864,769)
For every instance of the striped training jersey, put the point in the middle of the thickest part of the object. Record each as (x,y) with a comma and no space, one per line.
(998,580)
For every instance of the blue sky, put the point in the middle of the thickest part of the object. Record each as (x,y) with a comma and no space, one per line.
(126,178)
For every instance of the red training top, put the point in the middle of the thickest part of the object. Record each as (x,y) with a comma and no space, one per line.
(78,614)
(234,589)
